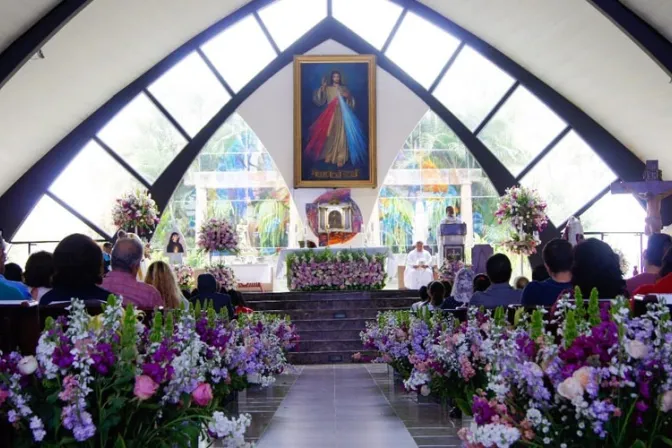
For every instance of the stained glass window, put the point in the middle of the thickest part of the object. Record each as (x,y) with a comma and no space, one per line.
(235,178)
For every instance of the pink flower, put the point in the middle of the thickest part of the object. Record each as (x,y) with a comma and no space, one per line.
(3,396)
(145,387)
(70,384)
(202,395)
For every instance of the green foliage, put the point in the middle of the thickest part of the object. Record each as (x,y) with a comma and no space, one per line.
(169,326)
(571,331)
(537,325)
(594,308)
(580,304)
(499,316)
(156,334)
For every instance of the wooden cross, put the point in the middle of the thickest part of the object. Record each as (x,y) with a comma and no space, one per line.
(653,189)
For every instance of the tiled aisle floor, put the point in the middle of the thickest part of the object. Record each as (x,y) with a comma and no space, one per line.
(347,405)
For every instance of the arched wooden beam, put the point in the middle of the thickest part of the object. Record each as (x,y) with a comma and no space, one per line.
(646,37)
(30,42)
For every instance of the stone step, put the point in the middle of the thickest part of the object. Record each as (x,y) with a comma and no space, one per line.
(326,357)
(329,345)
(303,314)
(331,335)
(327,304)
(330,324)
(328,295)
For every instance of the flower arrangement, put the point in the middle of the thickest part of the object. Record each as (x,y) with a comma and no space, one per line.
(223,274)
(594,376)
(432,354)
(524,210)
(450,268)
(218,235)
(135,212)
(185,277)
(603,380)
(343,270)
(111,381)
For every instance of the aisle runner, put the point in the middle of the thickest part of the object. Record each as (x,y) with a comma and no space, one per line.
(334,406)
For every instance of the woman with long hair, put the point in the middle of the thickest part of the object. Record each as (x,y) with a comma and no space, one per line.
(162,277)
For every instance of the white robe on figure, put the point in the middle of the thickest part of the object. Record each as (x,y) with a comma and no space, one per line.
(415,278)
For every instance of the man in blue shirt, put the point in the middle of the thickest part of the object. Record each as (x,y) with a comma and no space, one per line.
(558,258)
(500,292)
(6,294)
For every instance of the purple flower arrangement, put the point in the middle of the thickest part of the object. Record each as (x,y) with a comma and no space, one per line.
(343,270)
(603,378)
(525,211)
(218,235)
(135,212)
(223,274)
(110,380)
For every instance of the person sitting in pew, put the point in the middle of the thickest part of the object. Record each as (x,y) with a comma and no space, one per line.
(78,270)
(558,258)
(7,292)
(424,299)
(462,290)
(500,292)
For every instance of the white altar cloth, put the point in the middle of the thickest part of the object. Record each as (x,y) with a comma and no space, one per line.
(390,268)
(253,272)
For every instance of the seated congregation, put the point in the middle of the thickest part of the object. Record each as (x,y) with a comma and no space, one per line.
(590,264)
(79,268)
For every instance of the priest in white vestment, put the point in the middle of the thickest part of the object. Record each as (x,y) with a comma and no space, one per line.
(418,271)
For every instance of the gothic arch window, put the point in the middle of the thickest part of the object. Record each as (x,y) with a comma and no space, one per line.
(233,177)
(434,169)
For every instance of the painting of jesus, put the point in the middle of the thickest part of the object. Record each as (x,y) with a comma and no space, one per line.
(334,121)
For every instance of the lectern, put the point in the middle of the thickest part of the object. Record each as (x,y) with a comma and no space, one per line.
(452,241)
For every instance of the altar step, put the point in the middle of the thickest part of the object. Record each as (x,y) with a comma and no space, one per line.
(327,357)
(329,323)
(344,313)
(331,304)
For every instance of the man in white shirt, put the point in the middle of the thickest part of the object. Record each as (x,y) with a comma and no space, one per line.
(418,271)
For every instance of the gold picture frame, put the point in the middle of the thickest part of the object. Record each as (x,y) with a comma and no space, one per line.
(335,121)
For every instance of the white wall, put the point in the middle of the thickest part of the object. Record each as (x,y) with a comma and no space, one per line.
(269,112)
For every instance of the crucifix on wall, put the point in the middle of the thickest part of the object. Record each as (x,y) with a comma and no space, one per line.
(653,189)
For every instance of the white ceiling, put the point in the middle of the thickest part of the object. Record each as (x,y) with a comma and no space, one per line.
(16,16)
(658,13)
(566,43)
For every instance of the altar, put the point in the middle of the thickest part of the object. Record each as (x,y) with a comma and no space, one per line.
(390,265)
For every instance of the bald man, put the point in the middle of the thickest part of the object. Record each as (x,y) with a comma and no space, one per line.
(127,256)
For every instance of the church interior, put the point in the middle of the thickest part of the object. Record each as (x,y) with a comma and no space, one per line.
(334,166)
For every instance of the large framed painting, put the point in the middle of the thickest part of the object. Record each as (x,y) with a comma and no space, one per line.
(335,121)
